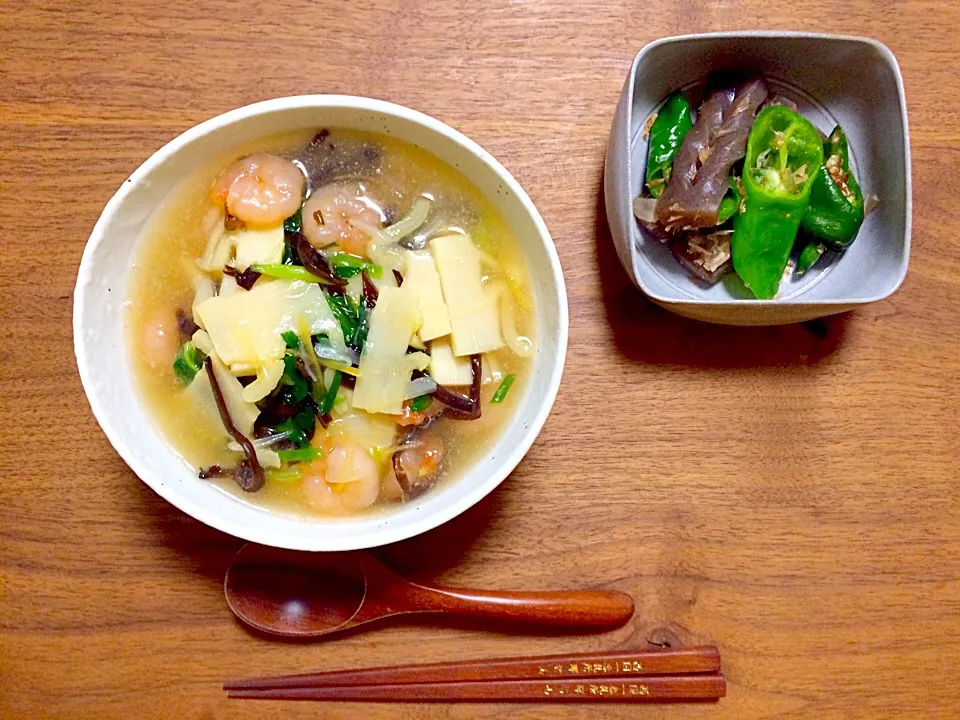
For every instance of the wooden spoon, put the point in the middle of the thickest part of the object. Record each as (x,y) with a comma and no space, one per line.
(301,594)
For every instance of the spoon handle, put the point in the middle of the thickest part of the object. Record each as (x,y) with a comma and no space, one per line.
(588,609)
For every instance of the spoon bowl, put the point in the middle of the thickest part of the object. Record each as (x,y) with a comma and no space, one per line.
(321,593)
(302,595)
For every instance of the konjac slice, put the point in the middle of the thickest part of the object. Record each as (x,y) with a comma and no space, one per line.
(701,170)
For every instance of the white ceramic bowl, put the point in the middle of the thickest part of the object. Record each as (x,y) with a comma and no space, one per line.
(102,350)
(850,80)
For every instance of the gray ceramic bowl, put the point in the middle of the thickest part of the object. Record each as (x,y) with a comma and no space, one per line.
(853,81)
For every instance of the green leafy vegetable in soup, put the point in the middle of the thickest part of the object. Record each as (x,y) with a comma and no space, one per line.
(340,322)
(187,363)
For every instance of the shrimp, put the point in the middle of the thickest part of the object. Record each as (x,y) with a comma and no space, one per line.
(417,417)
(345,481)
(159,341)
(416,466)
(262,190)
(344,214)
(390,487)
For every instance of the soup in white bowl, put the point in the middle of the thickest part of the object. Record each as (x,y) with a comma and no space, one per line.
(268,254)
(366,313)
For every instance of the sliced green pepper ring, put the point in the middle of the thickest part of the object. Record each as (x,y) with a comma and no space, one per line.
(784,154)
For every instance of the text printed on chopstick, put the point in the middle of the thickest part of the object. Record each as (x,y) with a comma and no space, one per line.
(593,668)
(604,690)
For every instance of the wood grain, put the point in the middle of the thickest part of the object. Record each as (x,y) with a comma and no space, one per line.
(789,494)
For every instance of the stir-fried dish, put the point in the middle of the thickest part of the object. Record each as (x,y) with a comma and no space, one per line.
(331,324)
(741,185)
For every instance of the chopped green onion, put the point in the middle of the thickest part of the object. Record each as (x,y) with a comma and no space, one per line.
(331,395)
(500,395)
(300,454)
(293,223)
(284,474)
(291,339)
(187,363)
(346,266)
(285,272)
(421,403)
(347,272)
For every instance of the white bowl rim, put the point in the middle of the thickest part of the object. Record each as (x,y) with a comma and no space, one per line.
(384,533)
(891,59)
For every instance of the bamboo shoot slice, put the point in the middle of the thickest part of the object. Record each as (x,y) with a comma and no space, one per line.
(445,367)
(421,273)
(258,247)
(474,316)
(245,327)
(385,366)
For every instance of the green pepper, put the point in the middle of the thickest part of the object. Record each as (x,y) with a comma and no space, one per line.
(809,256)
(666,135)
(730,204)
(783,153)
(836,202)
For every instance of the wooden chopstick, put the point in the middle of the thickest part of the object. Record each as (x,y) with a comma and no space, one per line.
(581,667)
(654,688)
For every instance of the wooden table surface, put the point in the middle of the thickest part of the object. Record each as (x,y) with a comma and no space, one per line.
(789,494)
